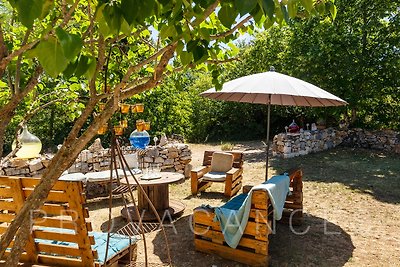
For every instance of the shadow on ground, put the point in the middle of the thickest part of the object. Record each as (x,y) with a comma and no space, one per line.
(367,171)
(317,243)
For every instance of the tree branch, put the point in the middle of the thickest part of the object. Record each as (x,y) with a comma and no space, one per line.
(3,49)
(69,14)
(6,60)
(237,26)
(146,61)
(18,64)
(4,111)
(206,14)
(167,55)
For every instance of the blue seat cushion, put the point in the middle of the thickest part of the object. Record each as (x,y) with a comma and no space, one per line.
(117,242)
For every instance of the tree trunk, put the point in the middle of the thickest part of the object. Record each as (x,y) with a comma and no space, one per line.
(64,158)
(67,154)
(3,124)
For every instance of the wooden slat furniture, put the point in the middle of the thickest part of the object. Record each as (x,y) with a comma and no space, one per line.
(61,236)
(253,246)
(233,181)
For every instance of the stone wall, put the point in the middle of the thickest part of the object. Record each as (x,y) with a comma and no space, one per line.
(171,157)
(289,145)
(385,140)
(292,145)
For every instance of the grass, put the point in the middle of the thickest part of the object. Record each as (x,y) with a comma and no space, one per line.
(351,205)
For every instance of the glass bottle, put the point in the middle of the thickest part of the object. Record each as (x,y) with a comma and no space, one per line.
(30,145)
(139,138)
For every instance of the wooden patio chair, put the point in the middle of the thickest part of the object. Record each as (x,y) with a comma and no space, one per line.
(62,235)
(253,246)
(220,167)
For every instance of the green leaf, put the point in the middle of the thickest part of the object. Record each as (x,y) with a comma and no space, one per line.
(167,31)
(71,43)
(308,5)
(113,17)
(268,6)
(129,10)
(227,15)
(321,8)
(198,53)
(29,10)
(145,9)
(186,58)
(91,68)
(3,84)
(333,10)
(47,6)
(268,23)
(83,65)
(205,33)
(103,27)
(70,70)
(292,8)
(51,56)
(245,6)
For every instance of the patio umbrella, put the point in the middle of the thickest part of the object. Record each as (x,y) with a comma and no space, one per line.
(273,88)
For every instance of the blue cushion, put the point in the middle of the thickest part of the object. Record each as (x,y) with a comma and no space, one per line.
(117,242)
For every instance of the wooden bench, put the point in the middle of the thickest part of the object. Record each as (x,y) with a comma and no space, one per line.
(62,235)
(253,246)
(233,181)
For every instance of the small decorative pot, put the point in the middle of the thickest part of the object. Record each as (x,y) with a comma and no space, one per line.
(139,107)
(140,125)
(125,108)
(118,130)
(124,123)
(102,129)
(147,125)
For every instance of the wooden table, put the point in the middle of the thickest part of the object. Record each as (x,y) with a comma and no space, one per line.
(158,193)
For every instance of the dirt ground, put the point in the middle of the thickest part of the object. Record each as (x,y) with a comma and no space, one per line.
(351,207)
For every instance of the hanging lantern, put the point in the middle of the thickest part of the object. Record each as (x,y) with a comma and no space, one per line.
(147,125)
(118,130)
(101,107)
(139,107)
(124,123)
(125,108)
(30,145)
(140,126)
(102,129)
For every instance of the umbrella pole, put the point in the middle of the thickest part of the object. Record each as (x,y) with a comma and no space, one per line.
(268,119)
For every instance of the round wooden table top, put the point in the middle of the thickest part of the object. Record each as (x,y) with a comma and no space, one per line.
(166,178)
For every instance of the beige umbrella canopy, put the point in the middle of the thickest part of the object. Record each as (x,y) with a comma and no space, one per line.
(273,88)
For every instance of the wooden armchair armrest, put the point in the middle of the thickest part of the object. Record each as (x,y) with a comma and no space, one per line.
(233,173)
(247,188)
(200,171)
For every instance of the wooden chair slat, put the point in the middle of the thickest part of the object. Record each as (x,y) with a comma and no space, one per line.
(253,246)
(63,209)
(233,178)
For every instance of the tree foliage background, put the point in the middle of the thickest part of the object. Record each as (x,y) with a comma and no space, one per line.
(356,57)
(59,60)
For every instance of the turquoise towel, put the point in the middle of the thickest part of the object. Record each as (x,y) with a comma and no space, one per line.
(233,215)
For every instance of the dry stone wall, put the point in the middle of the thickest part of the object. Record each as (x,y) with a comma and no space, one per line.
(171,157)
(385,140)
(288,145)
